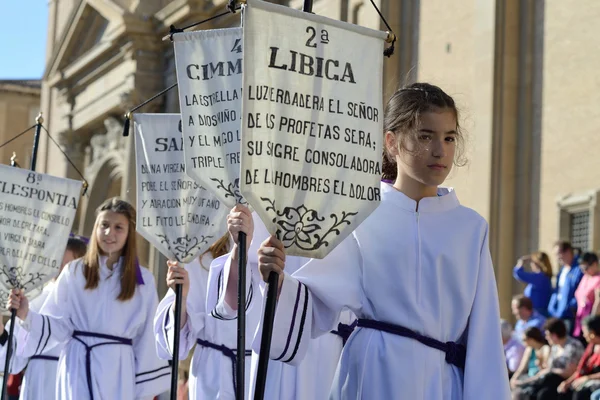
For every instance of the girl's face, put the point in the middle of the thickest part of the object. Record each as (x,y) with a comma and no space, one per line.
(112,232)
(428,156)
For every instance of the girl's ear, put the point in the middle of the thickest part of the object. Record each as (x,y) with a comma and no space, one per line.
(391,143)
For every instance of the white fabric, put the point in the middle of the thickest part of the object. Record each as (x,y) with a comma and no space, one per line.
(118,371)
(36,215)
(209,77)
(564,272)
(313,117)
(179,217)
(211,371)
(39,381)
(311,380)
(429,271)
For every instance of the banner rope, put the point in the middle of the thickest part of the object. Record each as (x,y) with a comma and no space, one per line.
(85,182)
(391,37)
(19,135)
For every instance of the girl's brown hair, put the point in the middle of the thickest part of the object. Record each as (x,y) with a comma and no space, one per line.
(402,115)
(91,264)
(542,260)
(217,249)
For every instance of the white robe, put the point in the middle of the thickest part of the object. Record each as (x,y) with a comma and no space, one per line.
(211,373)
(429,271)
(43,372)
(39,381)
(118,371)
(311,380)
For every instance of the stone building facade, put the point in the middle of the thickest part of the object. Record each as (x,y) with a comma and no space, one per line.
(524,74)
(19,107)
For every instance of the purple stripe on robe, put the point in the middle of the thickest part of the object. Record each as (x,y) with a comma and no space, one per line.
(138,273)
(83,238)
(289,338)
(387,180)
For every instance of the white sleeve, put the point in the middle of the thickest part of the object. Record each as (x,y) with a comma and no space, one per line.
(219,277)
(484,341)
(311,300)
(217,282)
(152,375)
(51,326)
(17,364)
(196,314)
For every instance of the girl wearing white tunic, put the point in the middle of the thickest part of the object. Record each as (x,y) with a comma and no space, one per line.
(39,381)
(312,378)
(102,308)
(212,374)
(417,273)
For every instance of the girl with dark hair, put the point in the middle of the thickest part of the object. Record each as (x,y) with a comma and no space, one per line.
(532,364)
(101,308)
(417,273)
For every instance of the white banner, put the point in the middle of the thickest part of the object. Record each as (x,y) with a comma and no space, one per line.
(36,216)
(312,125)
(175,214)
(209,77)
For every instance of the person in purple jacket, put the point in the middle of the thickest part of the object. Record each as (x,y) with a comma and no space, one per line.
(562,302)
(538,279)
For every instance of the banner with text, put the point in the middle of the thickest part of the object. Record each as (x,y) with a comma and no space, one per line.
(36,216)
(312,123)
(175,214)
(209,77)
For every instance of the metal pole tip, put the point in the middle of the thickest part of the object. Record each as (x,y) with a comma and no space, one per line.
(39,119)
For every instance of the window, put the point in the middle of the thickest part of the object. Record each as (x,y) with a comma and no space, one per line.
(580,230)
(579,220)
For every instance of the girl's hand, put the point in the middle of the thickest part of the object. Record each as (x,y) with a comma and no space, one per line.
(18,301)
(240,220)
(178,275)
(271,258)
(522,260)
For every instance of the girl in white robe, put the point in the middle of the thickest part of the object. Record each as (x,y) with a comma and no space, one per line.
(417,273)
(102,308)
(213,366)
(311,379)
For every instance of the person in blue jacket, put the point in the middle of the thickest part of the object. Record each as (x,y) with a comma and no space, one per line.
(539,280)
(563,303)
